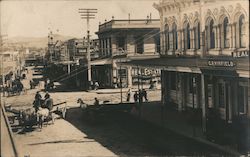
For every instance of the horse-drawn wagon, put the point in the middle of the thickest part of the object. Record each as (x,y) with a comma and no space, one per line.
(29,117)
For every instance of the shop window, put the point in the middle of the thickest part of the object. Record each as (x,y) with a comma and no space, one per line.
(243,99)
(192,85)
(226,33)
(173,81)
(166,34)
(221,95)
(242,31)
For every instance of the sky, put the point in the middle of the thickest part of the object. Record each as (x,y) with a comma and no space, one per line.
(34,18)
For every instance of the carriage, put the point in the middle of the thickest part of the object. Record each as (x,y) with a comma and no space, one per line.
(27,118)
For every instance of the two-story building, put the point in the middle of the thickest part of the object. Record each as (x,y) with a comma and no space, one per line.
(205,67)
(121,41)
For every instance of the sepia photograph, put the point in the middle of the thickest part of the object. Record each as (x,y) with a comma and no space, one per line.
(130,78)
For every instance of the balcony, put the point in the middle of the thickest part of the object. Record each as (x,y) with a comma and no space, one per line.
(120,24)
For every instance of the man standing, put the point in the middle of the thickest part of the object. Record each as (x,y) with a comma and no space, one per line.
(136,97)
(48,102)
(38,101)
(128,95)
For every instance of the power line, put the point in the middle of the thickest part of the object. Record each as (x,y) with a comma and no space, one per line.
(88,13)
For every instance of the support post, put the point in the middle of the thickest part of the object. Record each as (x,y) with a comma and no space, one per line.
(203,103)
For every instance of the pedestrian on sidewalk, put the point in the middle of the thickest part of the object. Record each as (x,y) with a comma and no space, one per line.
(128,95)
(96,85)
(136,97)
(145,95)
(96,103)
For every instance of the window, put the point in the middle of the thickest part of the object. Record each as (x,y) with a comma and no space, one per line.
(166,34)
(226,33)
(121,43)
(175,37)
(210,35)
(187,36)
(221,95)
(242,33)
(197,36)
(140,45)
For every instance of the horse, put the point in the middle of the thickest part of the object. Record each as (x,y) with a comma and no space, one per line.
(28,117)
(42,115)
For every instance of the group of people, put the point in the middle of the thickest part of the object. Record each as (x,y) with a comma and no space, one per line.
(138,95)
(47,102)
(15,87)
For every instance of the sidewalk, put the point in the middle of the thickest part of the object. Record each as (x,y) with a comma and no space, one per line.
(124,90)
(177,122)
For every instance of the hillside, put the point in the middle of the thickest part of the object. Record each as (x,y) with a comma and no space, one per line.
(37,42)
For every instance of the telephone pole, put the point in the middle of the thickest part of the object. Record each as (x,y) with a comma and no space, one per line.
(87,13)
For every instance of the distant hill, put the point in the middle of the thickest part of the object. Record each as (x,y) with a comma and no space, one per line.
(37,42)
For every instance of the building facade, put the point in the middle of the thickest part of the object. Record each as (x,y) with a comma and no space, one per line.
(205,65)
(120,41)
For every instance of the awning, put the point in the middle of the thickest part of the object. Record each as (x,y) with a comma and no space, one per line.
(101,61)
(176,64)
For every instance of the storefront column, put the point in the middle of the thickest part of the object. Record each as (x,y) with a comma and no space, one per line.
(230,106)
(203,102)
(179,91)
(129,77)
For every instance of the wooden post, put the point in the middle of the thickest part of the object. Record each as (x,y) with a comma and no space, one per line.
(203,103)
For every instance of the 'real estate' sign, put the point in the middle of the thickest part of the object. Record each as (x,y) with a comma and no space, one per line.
(221,63)
(239,54)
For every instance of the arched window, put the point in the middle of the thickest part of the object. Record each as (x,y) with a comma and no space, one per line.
(197,35)
(210,35)
(226,32)
(187,36)
(166,35)
(242,32)
(175,37)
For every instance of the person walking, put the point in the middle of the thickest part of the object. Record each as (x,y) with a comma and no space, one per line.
(128,95)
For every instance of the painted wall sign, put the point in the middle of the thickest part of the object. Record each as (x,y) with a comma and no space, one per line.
(220,63)
(239,54)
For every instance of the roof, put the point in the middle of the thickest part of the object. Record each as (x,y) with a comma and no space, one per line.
(130,24)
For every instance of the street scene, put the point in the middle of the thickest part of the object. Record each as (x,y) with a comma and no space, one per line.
(108,78)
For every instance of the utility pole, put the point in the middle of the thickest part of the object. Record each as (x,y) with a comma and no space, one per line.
(88,14)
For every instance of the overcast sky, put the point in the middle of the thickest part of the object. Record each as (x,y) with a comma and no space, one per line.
(33,18)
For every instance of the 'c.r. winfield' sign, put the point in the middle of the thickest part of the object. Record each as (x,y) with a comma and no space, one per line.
(220,63)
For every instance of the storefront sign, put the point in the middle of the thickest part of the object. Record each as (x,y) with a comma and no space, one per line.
(220,63)
(239,54)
